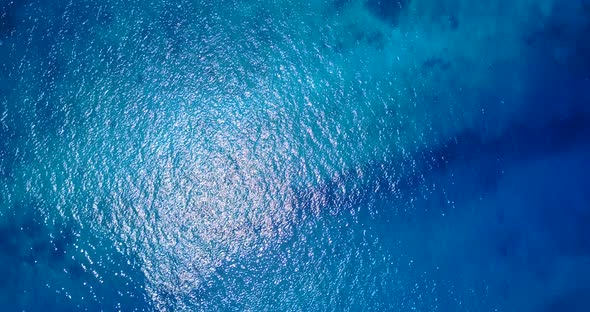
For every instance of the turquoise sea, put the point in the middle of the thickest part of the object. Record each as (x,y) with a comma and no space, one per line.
(287,155)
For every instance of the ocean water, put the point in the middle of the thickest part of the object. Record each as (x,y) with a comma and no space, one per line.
(337,155)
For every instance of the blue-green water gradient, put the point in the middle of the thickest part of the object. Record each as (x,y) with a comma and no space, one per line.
(245,155)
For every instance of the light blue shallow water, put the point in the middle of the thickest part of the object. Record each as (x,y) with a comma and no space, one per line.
(340,155)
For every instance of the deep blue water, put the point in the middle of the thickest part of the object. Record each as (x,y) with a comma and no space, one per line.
(345,155)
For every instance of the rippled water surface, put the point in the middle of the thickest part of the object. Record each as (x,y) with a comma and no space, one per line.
(337,155)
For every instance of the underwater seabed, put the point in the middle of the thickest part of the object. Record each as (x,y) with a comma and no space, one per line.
(345,155)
